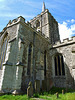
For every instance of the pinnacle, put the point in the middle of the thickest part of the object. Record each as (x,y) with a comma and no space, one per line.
(43,8)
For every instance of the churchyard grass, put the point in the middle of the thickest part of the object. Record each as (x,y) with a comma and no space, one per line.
(51,95)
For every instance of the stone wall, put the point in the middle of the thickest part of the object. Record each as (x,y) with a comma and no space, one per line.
(53,29)
(65,48)
(39,45)
(12,69)
(44,25)
(48,26)
(20,36)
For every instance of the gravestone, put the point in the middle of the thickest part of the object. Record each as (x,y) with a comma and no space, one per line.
(37,86)
(44,87)
(30,90)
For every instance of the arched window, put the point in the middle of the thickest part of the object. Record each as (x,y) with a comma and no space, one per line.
(3,50)
(59,65)
(29,59)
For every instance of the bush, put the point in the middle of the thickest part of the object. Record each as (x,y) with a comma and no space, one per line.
(36,95)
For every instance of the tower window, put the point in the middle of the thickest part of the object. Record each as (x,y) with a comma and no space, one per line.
(37,24)
(59,65)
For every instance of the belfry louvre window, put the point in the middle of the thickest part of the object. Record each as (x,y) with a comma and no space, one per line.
(59,65)
(29,59)
(3,51)
(37,23)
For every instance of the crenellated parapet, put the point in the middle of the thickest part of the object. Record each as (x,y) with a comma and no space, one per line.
(15,21)
(20,19)
(29,24)
(66,41)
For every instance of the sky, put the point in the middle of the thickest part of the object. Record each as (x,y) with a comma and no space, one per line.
(62,10)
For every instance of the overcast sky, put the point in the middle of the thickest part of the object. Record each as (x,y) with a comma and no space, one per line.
(62,10)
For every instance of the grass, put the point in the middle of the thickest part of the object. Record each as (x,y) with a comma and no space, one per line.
(51,95)
(67,96)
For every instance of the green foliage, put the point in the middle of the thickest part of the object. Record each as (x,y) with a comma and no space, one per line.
(59,90)
(12,97)
(36,95)
(67,96)
(51,95)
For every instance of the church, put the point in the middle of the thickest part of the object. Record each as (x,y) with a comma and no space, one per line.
(31,51)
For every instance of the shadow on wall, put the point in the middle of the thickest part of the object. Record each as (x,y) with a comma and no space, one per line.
(61,75)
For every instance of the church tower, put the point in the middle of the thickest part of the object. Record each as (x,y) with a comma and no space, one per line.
(46,23)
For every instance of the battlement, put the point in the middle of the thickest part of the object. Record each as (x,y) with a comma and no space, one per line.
(39,15)
(22,20)
(66,41)
(14,21)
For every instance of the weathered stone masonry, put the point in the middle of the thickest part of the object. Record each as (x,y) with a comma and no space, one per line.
(30,52)
(66,49)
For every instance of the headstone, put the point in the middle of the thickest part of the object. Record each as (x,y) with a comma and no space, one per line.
(30,90)
(48,84)
(62,91)
(57,95)
(2,92)
(44,85)
(37,86)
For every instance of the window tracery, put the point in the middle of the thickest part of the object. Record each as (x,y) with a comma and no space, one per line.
(59,65)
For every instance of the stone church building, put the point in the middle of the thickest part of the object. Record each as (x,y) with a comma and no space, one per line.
(31,51)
